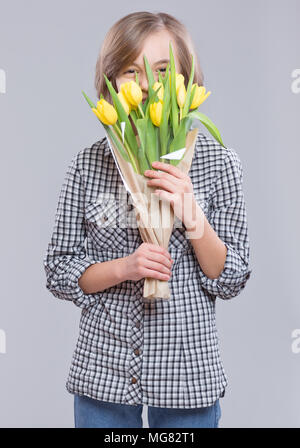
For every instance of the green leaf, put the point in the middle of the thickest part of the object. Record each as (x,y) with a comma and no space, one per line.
(212,128)
(141,125)
(122,116)
(180,135)
(152,98)
(136,78)
(174,105)
(145,105)
(166,74)
(158,149)
(134,116)
(192,97)
(179,140)
(151,91)
(152,142)
(149,73)
(117,142)
(164,124)
(188,93)
(88,100)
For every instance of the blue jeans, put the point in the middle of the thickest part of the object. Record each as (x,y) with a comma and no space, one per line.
(91,413)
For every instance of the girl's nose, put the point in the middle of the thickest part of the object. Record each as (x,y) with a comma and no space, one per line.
(143,82)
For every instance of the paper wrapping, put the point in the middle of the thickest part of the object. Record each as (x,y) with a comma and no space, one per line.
(155,217)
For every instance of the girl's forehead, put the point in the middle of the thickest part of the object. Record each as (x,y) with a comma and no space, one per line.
(139,63)
(156,46)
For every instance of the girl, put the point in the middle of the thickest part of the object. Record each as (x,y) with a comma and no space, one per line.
(132,351)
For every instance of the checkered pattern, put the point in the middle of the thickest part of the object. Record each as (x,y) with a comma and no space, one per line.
(132,350)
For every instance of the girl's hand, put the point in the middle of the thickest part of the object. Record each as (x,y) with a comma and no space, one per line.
(175,187)
(149,260)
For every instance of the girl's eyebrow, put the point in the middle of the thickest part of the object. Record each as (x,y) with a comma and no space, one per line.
(161,61)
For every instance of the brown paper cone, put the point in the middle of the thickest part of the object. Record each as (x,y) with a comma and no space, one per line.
(155,218)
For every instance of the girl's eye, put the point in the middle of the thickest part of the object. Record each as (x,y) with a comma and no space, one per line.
(132,71)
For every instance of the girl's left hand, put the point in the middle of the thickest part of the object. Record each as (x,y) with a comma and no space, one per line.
(175,187)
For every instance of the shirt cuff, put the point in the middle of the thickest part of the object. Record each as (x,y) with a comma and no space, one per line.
(231,280)
(78,296)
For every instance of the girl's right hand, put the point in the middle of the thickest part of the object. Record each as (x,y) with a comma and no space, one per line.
(149,260)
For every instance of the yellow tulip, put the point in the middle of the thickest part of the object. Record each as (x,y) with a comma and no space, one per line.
(160,93)
(179,80)
(126,105)
(132,92)
(181,95)
(156,113)
(96,113)
(199,96)
(106,112)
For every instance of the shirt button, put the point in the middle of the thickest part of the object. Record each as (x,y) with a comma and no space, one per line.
(136,351)
(104,218)
(130,207)
(137,324)
(133,380)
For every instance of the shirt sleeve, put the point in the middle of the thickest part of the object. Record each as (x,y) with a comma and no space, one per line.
(65,259)
(229,220)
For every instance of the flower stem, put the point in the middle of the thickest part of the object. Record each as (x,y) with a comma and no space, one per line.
(141,111)
(131,157)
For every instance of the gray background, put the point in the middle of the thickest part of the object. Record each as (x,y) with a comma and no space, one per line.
(248,51)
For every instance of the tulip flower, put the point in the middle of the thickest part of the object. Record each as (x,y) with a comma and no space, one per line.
(156,113)
(181,96)
(126,105)
(160,93)
(96,113)
(199,96)
(179,81)
(105,112)
(133,94)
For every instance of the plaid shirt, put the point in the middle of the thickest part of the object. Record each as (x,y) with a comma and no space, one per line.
(133,350)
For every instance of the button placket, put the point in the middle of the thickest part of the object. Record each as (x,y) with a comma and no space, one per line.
(133,393)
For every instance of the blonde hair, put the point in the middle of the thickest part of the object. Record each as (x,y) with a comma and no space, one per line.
(124,42)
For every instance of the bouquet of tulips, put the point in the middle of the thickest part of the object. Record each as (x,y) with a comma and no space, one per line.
(163,124)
